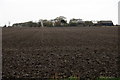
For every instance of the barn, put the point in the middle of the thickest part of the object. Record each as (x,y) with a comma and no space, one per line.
(105,23)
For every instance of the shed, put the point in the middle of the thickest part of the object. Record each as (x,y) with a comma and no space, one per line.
(105,23)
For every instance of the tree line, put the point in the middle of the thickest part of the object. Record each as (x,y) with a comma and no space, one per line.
(61,21)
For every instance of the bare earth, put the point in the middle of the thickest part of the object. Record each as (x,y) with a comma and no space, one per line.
(60,52)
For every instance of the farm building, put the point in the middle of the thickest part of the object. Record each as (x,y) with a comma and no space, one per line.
(105,23)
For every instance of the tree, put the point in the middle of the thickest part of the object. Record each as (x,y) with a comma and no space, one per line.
(60,21)
(4,26)
(89,23)
(26,24)
(47,23)
(76,22)
(30,24)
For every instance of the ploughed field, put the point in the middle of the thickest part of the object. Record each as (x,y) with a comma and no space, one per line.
(60,52)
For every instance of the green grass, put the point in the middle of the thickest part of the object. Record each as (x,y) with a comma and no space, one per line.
(101,78)
(107,78)
(70,78)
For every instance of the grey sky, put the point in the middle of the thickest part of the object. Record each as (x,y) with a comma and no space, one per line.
(33,10)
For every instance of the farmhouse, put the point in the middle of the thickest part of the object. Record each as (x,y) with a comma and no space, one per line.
(105,23)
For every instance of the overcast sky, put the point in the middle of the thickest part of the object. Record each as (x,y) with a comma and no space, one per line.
(17,11)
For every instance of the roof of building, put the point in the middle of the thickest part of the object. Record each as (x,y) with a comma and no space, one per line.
(105,21)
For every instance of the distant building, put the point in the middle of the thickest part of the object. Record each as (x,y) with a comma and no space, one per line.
(76,21)
(119,13)
(105,23)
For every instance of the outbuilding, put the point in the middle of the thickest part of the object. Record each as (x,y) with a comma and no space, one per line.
(105,23)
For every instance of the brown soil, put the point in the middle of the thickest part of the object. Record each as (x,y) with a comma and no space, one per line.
(60,52)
